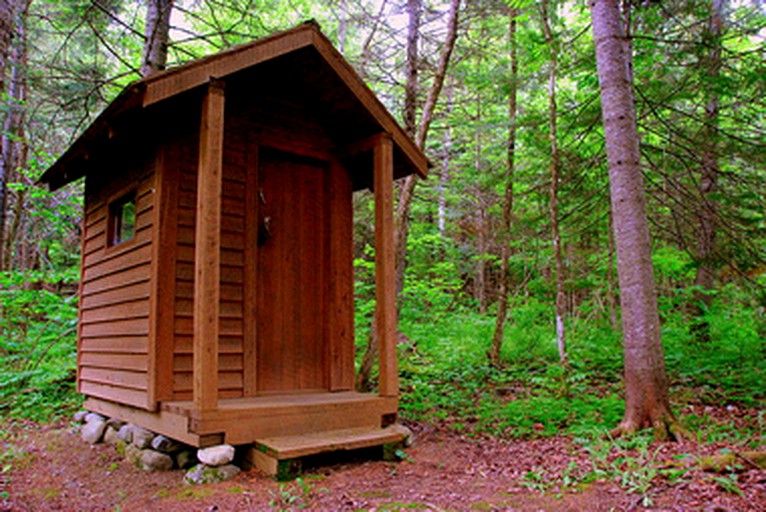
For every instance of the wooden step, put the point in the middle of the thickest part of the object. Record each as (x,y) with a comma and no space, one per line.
(292,447)
(268,453)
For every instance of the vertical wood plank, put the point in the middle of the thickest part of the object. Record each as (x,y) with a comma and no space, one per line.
(207,253)
(340,321)
(385,311)
(162,308)
(250,338)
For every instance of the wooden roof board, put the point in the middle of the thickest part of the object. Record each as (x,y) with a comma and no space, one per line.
(170,83)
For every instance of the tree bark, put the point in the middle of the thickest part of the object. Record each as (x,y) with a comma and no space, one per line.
(402,220)
(402,217)
(561,306)
(646,383)
(505,253)
(6,35)
(708,184)
(409,115)
(155,54)
(444,174)
(12,140)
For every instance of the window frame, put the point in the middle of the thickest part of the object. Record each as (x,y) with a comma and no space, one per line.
(116,219)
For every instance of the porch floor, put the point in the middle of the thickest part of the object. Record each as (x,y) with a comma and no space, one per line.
(245,420)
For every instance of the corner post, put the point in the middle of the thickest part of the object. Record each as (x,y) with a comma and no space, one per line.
(385,293)
(207,252)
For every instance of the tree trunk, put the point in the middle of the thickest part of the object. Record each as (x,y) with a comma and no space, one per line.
(409,115)
(561,306)
(646,383)
(479,284)
(708,185)
(12,140)
(445,169)
(402,220)
(6,35)
(505,275)
(342,26)
(363,382)
(155,53)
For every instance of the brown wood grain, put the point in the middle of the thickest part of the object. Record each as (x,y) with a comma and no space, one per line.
(385,294)
(340,318)
(291,286)
(208,249)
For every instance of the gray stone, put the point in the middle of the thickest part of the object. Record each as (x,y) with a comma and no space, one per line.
(79,416)
(186,458)
(126,433)
(155,461)
(166,445)
(92,416)
(202,474)
(216,455)
(115,423)
(142,438)
(133,455)
(409,439)
(93,431)
(110,435)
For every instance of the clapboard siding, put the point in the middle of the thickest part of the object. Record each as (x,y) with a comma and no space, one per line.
(233,226)
(115,290)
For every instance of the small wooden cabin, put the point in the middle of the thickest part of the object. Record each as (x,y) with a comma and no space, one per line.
(216,299)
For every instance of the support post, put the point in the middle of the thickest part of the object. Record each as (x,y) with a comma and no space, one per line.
(385,293)
(207,252)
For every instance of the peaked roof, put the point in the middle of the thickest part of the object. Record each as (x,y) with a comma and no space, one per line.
(170,83)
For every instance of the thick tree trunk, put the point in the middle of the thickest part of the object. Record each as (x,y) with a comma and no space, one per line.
(505,253)
(12,140)
(155,53)
(646,383)
(6,35)
(708,184)
(561,306)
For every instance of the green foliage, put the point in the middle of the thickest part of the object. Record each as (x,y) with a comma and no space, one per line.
(37,344)
(447,378)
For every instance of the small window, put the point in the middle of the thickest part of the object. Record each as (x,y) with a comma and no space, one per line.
(122,219)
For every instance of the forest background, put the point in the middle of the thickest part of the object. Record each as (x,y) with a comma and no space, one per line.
(508,297)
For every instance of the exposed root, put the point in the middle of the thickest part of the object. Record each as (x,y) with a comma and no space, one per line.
(666,428)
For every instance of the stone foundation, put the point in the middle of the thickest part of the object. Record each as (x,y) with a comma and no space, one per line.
(153,452)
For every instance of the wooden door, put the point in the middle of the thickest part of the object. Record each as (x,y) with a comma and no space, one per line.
(291,283)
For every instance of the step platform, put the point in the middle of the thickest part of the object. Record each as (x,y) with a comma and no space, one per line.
(281,456)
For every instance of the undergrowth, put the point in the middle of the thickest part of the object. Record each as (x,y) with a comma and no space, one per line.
(446,377)
(37,345)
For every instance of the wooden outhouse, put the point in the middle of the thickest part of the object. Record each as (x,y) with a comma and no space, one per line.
(216,298)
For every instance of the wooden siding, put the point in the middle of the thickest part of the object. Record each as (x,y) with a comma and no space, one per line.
(233,223)
(115,290)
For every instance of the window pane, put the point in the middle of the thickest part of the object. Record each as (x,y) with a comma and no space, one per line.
(122,219)
(128,220)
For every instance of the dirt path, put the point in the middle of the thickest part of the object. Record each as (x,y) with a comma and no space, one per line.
(50,468)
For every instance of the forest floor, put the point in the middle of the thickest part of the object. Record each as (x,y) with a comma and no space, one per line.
(48,467)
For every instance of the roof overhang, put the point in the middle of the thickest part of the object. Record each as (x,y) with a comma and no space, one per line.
(132,102)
